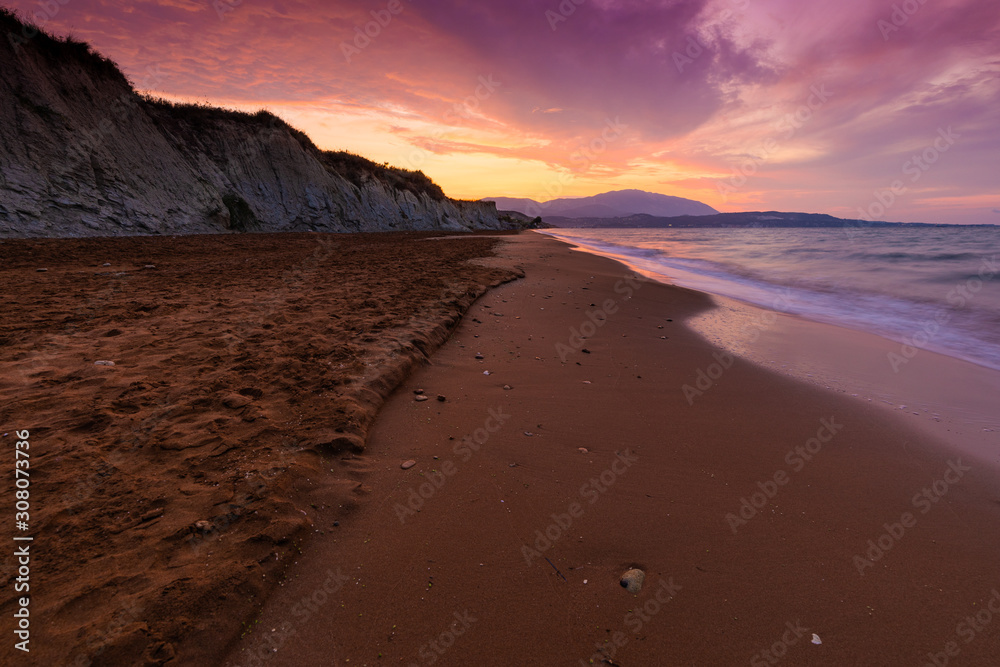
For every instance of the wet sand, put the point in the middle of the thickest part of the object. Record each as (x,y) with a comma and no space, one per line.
(764,510)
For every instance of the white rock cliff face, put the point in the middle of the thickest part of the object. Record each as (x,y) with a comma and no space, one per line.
(81,154)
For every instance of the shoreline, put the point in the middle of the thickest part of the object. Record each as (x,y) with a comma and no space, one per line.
(925,332)
(952,399)
(955,399)
(757,511)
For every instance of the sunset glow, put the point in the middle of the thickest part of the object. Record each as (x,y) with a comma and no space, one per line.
(744,105)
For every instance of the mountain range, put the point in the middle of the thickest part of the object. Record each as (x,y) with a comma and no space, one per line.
(615,204)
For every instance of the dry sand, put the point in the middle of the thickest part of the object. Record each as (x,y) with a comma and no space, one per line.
(166,490)
(451,583)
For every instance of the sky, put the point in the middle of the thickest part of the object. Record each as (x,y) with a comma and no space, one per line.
(868,109)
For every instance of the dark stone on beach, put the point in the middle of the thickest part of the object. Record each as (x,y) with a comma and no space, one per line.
(441,398)
(585,351)
(479,356)
(418,391)
(41,270)
(406,465)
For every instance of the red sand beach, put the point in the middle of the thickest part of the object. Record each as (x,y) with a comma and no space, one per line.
(764,512)
(165,496)
(574,428)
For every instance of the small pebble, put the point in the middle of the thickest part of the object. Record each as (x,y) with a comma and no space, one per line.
(104,363)
(479,356)
(585,351)
(421,398)
(632,580)
(336,524)
(507,387)
(418,391)
(406,465)
(583,450)
(41,270)
(442,398)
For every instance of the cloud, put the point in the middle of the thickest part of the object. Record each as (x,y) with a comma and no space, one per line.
(701,84)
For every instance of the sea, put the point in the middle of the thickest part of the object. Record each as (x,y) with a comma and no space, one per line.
(929,287)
